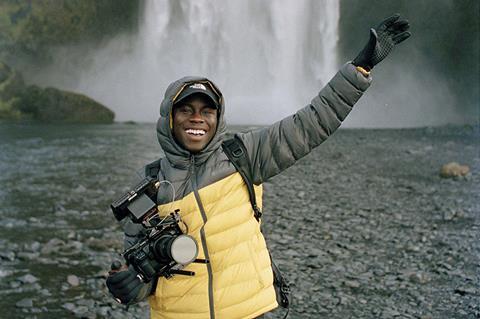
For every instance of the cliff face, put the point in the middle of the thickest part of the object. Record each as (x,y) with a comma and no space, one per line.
(29,28)
(28,32)
(11,88)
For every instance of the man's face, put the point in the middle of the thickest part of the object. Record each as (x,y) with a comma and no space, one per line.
(194,122)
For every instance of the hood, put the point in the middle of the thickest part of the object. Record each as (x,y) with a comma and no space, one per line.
(176,154)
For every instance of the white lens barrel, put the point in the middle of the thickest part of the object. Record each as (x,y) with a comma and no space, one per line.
(184,249)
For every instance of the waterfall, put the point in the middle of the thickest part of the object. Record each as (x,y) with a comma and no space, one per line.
(268,57)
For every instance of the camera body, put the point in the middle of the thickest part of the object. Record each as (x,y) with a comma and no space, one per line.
(138,203)
(165,249)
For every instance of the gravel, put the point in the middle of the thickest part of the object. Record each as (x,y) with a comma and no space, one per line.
(363,227)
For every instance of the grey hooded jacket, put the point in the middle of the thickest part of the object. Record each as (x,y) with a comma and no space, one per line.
(270,150)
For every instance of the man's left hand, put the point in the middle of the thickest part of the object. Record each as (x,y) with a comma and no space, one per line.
(383,39)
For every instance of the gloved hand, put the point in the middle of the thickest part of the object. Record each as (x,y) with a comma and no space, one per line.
(383,39)
(124,284)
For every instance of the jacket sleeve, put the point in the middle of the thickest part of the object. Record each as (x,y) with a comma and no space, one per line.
(277,147)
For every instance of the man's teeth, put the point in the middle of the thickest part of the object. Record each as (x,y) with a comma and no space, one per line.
(195,132)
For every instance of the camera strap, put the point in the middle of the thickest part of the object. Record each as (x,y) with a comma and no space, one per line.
(153,169)
(237,154)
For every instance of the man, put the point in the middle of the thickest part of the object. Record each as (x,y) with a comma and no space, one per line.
(211,195)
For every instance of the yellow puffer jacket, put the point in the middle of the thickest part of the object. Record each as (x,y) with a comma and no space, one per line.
(241,275)
(214,202)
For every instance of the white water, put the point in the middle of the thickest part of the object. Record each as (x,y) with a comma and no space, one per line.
(260,53)
(268,57)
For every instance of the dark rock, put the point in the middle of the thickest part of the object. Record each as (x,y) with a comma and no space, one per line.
(80,311)
(54,105)
(35,246)
(27,256)
(465,291)
(52,246)
(11,86)
(24,303)
(418,277)
(7,255)
(27,279)
(69,306)
(89,303)
(351,283)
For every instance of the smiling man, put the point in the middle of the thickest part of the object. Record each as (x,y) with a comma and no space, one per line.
(195,117)
(203,184)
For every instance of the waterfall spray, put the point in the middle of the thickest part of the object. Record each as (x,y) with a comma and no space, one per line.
(269,57)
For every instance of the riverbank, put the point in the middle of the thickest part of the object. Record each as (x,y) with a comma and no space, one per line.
(364,226)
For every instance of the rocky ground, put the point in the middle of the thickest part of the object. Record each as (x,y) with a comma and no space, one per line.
(370,230)
(364,227)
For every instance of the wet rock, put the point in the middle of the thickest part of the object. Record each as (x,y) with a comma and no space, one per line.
(385,232)
(54,105)
(351,283)
(73,280)
(75,246)
(52,246)
(69,306)
(451,214)
(35,246)
(465,291)
(24,303)
(7,255)
(418,277)
(89,303)
(80,189)
(27,256)
(84,313)
(27,279)
(15,284)
(5,273)
(454,169)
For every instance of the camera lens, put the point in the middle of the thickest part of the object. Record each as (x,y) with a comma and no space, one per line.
(184,249)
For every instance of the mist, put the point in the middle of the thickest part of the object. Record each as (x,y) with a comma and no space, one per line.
(270,59)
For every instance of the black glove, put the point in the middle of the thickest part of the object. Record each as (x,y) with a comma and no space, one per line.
(383,38)
(124,285)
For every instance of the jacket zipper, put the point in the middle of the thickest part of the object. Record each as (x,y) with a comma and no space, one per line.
(193,178)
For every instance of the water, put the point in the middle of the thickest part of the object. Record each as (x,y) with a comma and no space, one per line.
(57,183)
(272,58)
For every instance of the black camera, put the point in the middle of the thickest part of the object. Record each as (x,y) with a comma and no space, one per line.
(139,203)
(165,249)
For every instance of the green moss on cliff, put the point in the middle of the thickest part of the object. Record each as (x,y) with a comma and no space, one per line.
(11,87)
(18,102)
(53,105)
(29,28)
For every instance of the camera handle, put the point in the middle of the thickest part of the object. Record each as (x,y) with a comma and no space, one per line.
(186,272)
(182,272)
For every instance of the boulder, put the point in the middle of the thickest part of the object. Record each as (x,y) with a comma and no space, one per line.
(54,105)
(454,169)
(18,101)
